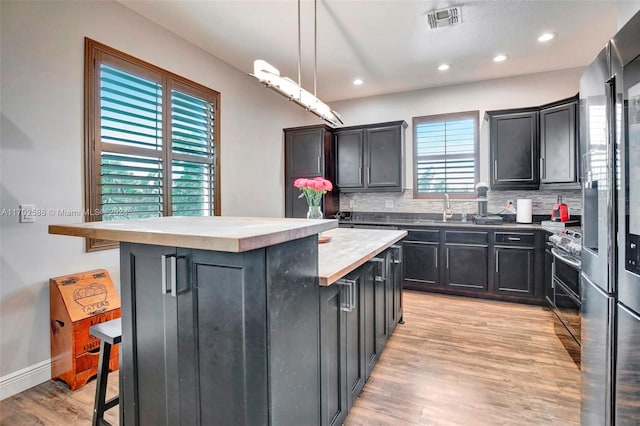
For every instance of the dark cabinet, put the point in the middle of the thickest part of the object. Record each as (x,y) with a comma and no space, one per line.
(421,261)
(370,158)
(225,336)
(504,265)
(514,149)
(558,145)
(394,288)
(353,333)
(466,256)
(514,257)
(308,154)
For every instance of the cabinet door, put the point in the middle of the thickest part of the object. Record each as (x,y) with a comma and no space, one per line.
(349,157)
(381,283)
(514,270)
(421,264)
(558,144)
(369,304)
(514,150)
(356,367)
(151,371)
(333,401)
(304,151)
(384,157)
(466,267)
(394,296)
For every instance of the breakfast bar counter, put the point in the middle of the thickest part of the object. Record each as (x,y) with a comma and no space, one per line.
(221,320)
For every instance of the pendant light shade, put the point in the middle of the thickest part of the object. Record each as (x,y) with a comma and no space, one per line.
(269,75)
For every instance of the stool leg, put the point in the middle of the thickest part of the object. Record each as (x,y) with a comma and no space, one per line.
(101,383)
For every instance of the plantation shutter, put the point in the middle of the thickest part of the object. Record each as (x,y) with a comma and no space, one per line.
(193,155)
(445,150)
(131,176)
(151,141)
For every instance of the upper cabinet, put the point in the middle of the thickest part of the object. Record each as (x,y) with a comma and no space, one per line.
(308,154)
(558,144)
(514,149)
(370,158)
(535,147)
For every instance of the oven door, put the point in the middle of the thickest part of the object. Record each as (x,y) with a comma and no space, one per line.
(566,303)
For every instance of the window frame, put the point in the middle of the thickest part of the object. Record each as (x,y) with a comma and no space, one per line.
(475,114)
(97,53)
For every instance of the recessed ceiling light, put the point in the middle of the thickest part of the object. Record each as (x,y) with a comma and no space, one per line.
(357,82)
(500,58)
(546,37)
(444,67)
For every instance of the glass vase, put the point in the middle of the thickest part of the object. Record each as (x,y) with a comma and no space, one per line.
(314,212)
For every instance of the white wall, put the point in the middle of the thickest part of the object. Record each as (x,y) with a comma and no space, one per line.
(626,10)
(513,92)
(41,157)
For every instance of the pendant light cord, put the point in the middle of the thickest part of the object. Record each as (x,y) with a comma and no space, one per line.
(299,51)
(315,44)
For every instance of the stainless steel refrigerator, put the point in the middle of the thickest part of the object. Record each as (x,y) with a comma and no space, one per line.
(610,276)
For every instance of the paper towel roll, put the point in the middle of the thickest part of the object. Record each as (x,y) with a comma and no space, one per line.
(524,209)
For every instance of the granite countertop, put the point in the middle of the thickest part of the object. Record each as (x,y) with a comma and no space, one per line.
(350,248)
(219,233)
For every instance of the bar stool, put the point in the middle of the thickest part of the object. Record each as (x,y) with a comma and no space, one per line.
(109,333)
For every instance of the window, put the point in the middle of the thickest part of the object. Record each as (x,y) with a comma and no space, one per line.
(152,141)
(445,154)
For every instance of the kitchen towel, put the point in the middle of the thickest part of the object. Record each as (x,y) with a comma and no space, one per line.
(524,208)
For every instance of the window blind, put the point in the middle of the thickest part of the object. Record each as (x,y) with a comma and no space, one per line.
(151,146)
(445,151)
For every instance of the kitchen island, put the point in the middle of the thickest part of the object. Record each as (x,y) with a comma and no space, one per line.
(222,319)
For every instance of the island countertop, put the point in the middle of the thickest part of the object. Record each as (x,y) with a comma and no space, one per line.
(219,233)
(350,248)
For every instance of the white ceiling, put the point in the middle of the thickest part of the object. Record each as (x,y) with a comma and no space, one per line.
(387,43)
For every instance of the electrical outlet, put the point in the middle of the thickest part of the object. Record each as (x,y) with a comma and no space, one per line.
(388,204)
(26,213)
(352,204)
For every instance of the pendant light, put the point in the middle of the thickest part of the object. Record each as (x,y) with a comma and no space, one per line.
(270,77)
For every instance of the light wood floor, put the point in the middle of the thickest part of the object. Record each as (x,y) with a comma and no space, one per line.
(456,361)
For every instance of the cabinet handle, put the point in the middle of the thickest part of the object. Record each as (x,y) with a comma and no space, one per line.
(163,269)
(173,279)
(513,238)
(398,257)
(383,274)
(171,274)
(495,170)
(497,256)
(447,257)
(319,169)
(543,172)
(349,304)
(435,257)
(368,175)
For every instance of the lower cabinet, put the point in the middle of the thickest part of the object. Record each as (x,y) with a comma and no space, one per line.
(514,273)
(466,257)
(354,324)
(229,338)
(421,254)
(507,265)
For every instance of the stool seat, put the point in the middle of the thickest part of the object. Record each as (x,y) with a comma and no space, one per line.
(109,333)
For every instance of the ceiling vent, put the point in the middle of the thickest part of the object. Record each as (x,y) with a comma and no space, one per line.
(444,17)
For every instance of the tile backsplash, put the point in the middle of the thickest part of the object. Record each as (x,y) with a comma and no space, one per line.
(396,202)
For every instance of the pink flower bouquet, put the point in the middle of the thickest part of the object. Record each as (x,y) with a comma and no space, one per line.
(313,189)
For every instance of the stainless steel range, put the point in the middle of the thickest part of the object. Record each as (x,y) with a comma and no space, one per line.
(564,299)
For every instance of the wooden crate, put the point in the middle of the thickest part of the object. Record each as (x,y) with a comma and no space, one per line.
(79,301)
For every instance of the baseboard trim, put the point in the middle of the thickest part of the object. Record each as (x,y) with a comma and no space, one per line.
(21,380)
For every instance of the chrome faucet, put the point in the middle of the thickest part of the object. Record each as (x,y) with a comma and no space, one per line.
(446,208)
